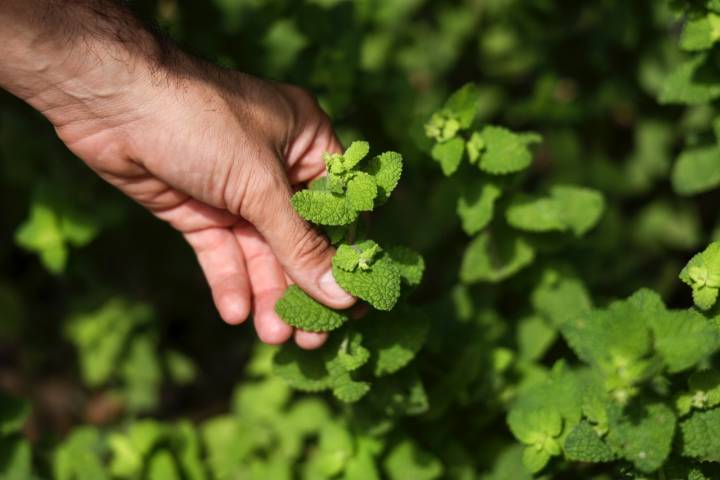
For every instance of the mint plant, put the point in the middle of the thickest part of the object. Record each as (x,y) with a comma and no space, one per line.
(568,328)
(361,266)
(611,407)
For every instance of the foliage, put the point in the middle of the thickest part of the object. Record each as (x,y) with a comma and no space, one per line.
(559,166)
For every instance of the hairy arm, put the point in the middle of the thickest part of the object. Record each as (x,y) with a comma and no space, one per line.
(58,55)
(213,152)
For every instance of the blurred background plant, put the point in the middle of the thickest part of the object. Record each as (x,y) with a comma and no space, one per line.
(128,372)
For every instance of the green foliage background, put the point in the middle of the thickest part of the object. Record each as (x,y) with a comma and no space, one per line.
(107,328)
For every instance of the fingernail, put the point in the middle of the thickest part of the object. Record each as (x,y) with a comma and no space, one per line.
(330,287)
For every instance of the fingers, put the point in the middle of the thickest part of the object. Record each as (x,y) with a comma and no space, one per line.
(222,261)
(310,340)
(267,281)
(305,158)
(304,253)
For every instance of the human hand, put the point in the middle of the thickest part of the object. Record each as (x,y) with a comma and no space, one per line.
(216,154)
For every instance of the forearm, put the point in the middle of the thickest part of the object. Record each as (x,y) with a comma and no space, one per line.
(72,59)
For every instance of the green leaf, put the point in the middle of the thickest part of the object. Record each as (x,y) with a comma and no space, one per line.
(662,224)
(126,460)
(226,445)
(583,444)
(464,104)
(394,338)
(407,461)
(505,152)
(560,298)
(534,337)
(328,367)
(693,82)
(683,338)
(142,373)
(323,207)
(79,457)
(181,368)
(492,259)
(442,126)
(696,171)
(508,465)
(298,309)
(146,435)
(361,192)
(568,208)
(535,426)
(350,391)
(535,459)
(476,205)
(581,208)
(190,455)
(704,392)
(644,435)
(102,335)
(475,145)
(362,464)
(535,215)
(379,285)
(355,153)
(352,353)
(263,399)
(350,257)
(302,370)
(400,395)
(334,450)
(386,168)
(161,465)
(702,274)
(42,234)
(700,32)
(616,340)
(701,436)
(13,414)
(283,42)
(15,458)
(409,263)
(449,154)
(705,297)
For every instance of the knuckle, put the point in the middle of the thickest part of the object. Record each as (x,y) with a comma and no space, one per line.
(306,98)
(262,192)
(310,248)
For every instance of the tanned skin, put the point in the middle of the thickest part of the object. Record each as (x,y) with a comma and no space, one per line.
(213,152)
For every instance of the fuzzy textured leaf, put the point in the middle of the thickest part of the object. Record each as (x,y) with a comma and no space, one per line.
(298,309)
(583,444)
(386,168)
(379,285)
(323,207)
(643,436)
(701,435)
(355,153)
(702,274)
(361,192)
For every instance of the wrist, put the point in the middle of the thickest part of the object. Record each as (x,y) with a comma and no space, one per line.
(78,61)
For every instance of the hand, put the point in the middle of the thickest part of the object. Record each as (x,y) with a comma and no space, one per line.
(216,154)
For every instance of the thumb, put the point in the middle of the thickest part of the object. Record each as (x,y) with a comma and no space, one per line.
(304,253)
